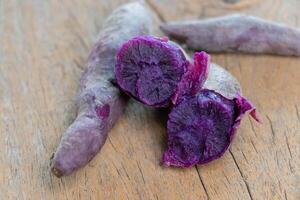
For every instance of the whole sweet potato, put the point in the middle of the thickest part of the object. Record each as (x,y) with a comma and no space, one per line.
(99,102)
(236,33)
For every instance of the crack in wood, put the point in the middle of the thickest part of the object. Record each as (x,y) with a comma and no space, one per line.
(252,126)
(253,145)
(288,145)
(291,167)
(125,171)
(272,128)
(78,65)
(279,185)
(277,159)
(297,112)
(202,183)
(227,179)
(243,178)
(285,195)
(85,179)
(124,183)
(141,172)
(245,157)
(118,171)
(113,146)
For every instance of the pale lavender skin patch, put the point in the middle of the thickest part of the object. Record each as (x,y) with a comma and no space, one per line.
(236,33)
(99,102)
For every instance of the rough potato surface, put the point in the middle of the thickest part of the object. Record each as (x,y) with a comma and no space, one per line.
(236,33)
(99,102)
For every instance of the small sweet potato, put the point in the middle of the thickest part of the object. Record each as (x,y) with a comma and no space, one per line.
(236,33)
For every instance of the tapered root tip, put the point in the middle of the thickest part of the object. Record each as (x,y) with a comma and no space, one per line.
(56,172)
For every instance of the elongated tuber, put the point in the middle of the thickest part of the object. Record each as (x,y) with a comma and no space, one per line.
(201,127)
(236,33)
(155,71)
(99,103)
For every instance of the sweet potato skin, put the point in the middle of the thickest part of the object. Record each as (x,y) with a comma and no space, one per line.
(236,33)
(99,102)
(224,83)
(221,81)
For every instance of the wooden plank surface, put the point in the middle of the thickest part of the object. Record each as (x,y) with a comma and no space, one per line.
(43,47)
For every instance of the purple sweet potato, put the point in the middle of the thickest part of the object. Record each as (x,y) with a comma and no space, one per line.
(201,127)
(236,33)
(155,71)
(99,103)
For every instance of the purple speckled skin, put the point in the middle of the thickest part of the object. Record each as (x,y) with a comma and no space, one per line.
(99,103)
(236,33)
(201,127)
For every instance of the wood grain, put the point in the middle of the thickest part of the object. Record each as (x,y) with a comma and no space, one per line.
(43,47)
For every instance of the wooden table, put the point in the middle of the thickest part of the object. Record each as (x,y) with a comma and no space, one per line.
(43,48)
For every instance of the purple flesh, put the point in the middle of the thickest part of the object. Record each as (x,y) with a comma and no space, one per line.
(156,72)
(149,69)
(99,103)
(236,33)
(201,127)
(194,78)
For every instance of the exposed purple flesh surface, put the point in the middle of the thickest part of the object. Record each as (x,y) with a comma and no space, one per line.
(201,128)
(149,69)
(156,72)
